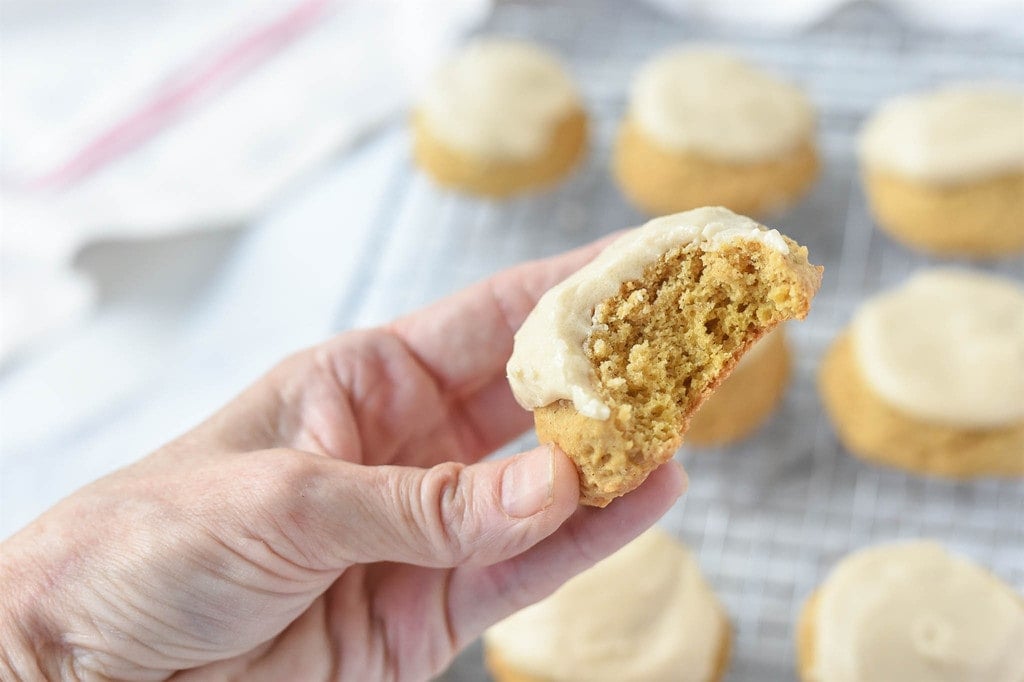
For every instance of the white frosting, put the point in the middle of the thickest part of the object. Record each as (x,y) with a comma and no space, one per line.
(946,346)
(951,135)
(915,612)
(644,613)
(548,360)
(499,99)
(720,106)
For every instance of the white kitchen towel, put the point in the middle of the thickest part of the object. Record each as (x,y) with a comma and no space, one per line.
(124,120)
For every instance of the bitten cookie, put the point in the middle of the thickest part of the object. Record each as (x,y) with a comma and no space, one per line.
(705,128)
(911,611)
(606,624)
(944,170)
(615,360)
(502,117)
(930,376)
(747,397)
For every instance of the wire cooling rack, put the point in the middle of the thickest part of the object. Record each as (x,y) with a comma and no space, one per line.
(768,517)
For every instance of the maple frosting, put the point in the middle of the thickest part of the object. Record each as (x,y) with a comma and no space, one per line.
(499,99)
(644,613)
(913,611)
(548,360)
(955,134)
(718,105)
(946,346)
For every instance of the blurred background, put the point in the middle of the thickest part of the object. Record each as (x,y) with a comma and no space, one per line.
(192,189)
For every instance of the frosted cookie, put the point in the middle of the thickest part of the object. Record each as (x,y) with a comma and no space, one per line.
(616,359)
(930,376)
(744,400)
(911,611)
(704,127)
(501,117)
(605,624)
(944,170)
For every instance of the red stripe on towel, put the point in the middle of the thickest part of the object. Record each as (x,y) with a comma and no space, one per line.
(171,100)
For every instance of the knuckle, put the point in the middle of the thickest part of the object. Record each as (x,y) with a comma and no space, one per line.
(444,498)
(290,493)
(290,473)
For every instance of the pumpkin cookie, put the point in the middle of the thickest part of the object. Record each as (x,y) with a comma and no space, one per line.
(500,118)
(704,127)
(605,624)
(944,170)
(930,377)
(911,611)
(615,360)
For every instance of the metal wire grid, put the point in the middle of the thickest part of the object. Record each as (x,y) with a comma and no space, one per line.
(768,517)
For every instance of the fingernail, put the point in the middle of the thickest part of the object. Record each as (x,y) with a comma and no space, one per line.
(527,485)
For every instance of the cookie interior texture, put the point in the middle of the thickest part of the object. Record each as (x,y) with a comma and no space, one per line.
(662,344)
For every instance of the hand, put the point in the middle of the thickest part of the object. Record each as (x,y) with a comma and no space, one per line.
(333,522)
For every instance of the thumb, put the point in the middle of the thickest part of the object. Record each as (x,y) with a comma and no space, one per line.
(444,516)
